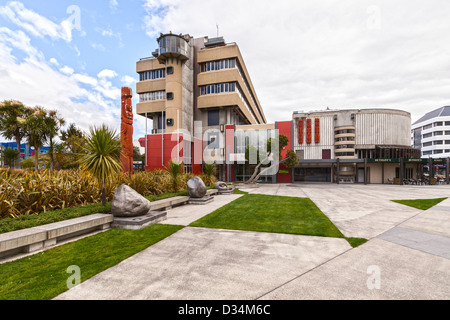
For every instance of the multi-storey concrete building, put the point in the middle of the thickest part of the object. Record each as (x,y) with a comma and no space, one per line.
(190,89)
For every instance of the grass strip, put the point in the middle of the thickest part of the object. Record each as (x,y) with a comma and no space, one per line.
(278,214)
(44,275)
(422,204)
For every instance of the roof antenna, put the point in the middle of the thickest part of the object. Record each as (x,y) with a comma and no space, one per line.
(217,26)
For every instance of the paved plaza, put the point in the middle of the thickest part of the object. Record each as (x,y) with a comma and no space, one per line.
(406,257)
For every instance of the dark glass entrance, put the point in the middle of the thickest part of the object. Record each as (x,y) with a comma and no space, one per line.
(312,174)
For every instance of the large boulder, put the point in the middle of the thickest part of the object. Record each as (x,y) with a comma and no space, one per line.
(196,187)
(129,203)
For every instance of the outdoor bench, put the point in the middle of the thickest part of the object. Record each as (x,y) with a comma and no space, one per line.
(36,238)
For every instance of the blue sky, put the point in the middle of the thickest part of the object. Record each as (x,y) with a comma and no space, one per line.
(74,56)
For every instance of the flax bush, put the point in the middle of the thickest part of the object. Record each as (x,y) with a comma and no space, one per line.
(25,192)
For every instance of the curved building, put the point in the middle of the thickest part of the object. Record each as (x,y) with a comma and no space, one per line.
(346,136)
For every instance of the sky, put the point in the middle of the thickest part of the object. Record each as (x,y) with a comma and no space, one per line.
(74,56)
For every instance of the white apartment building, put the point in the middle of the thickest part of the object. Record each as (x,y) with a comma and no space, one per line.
(431,134)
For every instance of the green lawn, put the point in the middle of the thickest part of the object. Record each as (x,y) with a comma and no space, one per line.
(266,213)
(44,275)
(422,204)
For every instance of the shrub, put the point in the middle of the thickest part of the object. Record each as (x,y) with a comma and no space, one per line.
(27,164)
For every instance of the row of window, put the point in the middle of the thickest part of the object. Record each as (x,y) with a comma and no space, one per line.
(152,74)
(439,151)
(218,88)
(437,142)
(345,131)
(436,133)
(218,65)
(436,124)
(150,96)
(344,139)
(345,146)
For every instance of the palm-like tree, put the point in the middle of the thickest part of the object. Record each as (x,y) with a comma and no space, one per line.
(52,123)
(101,156)
(13,116)
(36,132)
(9,156)
(175,169)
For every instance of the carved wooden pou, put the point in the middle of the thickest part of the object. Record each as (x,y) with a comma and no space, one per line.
(126,131)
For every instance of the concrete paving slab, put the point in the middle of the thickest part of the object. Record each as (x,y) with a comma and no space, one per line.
(426,242)
(186,214)
(377,269)
(202,263)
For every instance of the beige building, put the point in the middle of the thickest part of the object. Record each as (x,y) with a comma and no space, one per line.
(193,87)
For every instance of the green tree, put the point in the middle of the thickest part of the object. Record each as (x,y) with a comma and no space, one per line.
(175,169)
(289,161)
(101,156)
(9,156)
(52,123)
(35,132)
(13,115)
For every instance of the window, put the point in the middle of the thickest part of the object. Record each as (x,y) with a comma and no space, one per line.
(447,123)
(169,96)
(438,133)
(438,142)
(217,88)
(152,74)
(437,151)
(213,117)
(428,126)
(427,144)
(150,96)
(438,124)
(427,153)
(427,135)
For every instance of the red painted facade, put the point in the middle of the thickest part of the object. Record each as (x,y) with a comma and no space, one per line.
(300,131)
(161,149)
(285,128)
(308,131)
(317,130)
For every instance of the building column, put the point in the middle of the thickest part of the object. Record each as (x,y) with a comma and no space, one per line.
(365,171)
(382,173)
(447,176)
(401,171)
(337,171)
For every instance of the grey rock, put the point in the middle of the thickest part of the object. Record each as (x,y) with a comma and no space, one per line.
(196,187)
(128,203)
(220,185)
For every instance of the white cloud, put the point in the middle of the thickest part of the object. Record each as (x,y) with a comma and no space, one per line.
(107,73)
(304,55)
(128,80)
(54,61)
(67,70)
(36,24)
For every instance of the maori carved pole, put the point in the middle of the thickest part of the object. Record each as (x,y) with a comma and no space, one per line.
(126,131)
